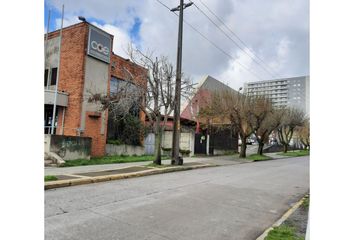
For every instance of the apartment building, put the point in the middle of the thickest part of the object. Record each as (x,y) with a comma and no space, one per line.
(84,64)
(285,92)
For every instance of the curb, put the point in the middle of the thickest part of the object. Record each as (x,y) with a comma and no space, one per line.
(285,216)
(88,180)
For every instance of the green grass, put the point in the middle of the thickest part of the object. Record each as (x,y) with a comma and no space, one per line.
(109,160)
(306,203)
(283,232)
(297,153)
(50,178)
(257,157)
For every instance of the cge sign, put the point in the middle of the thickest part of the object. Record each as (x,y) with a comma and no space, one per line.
(99,45)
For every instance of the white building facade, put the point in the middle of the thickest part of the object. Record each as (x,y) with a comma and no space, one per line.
(285,92)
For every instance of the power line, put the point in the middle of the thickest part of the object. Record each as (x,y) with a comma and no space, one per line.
(223,51)
(227,35)
(212,43)
(164,5)
(234,34)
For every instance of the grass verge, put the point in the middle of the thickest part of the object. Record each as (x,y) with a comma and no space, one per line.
(109,160)
(298,153)
(257,157)
(283,232)
(50,178)
(306,203)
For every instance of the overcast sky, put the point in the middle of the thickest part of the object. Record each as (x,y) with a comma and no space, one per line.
(274,34)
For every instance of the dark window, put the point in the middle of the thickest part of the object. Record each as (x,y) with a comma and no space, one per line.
(45,77)
(53,79)
(114,86)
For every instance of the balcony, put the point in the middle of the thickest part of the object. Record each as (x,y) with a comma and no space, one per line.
(62,98)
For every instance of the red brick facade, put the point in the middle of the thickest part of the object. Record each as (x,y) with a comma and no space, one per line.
(71,81)
(72,73)
(139,73)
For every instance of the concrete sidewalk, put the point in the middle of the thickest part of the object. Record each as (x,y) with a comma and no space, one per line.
(218,160)
(70,176)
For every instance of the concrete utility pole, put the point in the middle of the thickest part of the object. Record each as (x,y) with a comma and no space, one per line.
(176,123)
(58,70)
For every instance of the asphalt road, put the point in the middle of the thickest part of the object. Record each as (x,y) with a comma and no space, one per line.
(229,202)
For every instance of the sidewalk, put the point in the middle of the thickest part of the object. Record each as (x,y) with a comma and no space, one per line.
(219,160)
(70,176)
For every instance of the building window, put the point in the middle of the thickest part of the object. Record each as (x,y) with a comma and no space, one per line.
(53,76)
(45,77)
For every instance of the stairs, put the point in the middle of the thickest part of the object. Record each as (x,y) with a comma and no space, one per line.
(52,160)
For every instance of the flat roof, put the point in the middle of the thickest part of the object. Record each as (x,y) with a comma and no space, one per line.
(77,24)
(278,79)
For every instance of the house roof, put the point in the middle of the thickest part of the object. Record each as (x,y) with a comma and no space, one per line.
(206,86)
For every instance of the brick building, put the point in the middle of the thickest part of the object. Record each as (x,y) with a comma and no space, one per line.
(87,65)
(210,137)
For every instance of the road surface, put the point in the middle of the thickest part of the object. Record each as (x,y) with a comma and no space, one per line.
(229,202)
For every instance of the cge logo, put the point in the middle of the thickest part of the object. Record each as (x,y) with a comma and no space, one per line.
(100,48)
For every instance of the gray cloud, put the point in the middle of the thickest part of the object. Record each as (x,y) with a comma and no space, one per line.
(276,30)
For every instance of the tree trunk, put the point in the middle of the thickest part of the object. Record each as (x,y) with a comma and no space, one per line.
(285,148)
(158,148)
(243,147)
(158,136)
(260,148)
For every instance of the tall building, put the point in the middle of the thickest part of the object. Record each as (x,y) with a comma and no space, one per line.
(285,92)
(85,64)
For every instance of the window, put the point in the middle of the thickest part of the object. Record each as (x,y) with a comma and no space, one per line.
(125,90)
(53,76)
(45,77)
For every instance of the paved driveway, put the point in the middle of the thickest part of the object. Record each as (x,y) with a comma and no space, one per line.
(228,202)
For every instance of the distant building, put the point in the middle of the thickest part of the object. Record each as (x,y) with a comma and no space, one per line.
(285,92)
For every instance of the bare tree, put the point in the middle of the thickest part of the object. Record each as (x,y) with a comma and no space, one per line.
(235,108)
(159,98)
(264,119)
(291,119)
(304,134)
(154,95)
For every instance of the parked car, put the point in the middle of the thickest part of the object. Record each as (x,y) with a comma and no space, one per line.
(273,141)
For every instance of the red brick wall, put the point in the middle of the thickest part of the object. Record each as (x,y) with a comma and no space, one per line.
(139,74)
(71,75)
(200,99)
(137,71)
(93,130)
